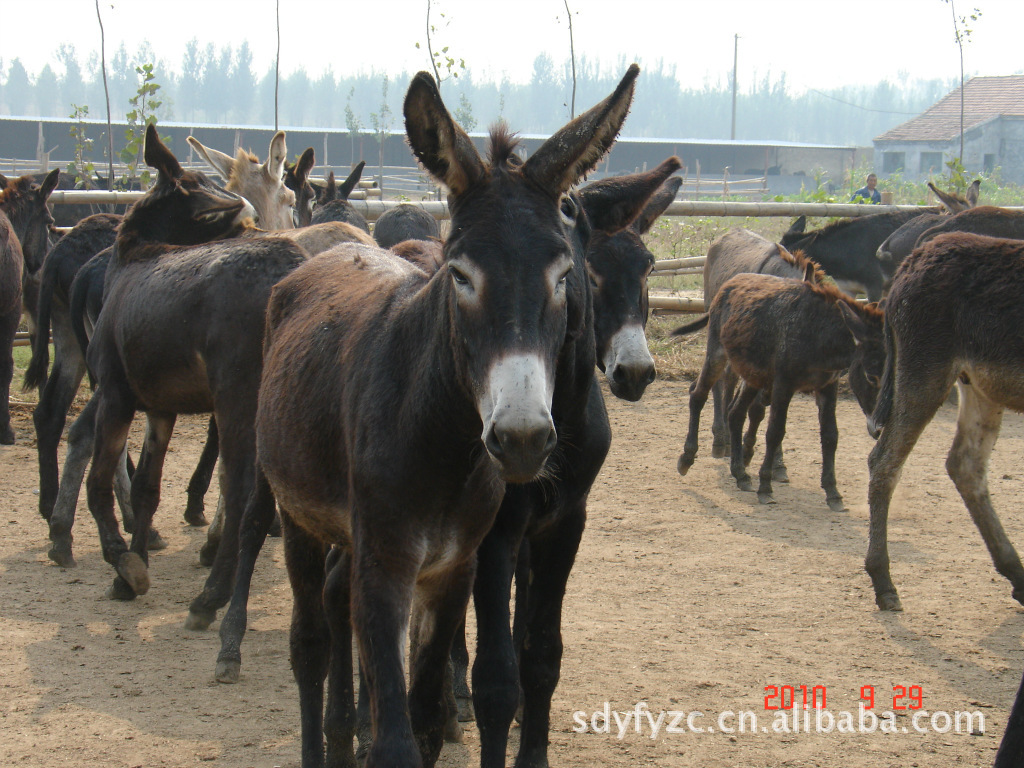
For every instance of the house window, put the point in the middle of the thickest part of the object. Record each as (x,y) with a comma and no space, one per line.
(989,163)
(893,162)
(931,162)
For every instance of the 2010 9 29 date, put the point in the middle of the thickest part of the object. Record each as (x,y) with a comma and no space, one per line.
(904,697)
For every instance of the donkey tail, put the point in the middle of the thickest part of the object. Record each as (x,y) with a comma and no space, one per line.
(35,374)
(78,310)
(883,405)
(696,325)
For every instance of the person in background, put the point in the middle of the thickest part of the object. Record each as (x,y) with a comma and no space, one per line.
(868,192)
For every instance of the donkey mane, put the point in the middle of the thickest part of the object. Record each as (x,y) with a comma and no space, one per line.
(240,158)
(832,294)
(800,260)
(11,193)
(502,146)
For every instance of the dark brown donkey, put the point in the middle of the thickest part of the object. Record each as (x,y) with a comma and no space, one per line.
(954,316)
(395,407)
(11,266)
(214,296)
(781,336)
(900,243)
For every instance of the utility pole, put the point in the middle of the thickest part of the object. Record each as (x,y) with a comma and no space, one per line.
(735,59)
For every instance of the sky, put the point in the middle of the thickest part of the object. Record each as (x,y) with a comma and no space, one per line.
(818,44)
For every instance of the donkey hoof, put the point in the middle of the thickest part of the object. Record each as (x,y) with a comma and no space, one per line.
(119,590)
(453,733)
(765,497)
(744,484)
(61,555)
(207,554)
(228,671)
(780,475)
(133,570)
(684,463)
(719,450)
(1018,595)
(194,515)
(156,541)
(835,503)
(465,706)
(197,621)
(7,436)
(888,601)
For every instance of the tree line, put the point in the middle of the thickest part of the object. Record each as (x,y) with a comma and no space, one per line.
(220,85)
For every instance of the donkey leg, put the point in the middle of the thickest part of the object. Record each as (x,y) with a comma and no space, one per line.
(977,429)
(114,413)
(551,560)
(8,328)
(81,439)
(460,672)
(256,520)
(145,498)
(910,415)
(826,399)
(495,671)
(782,394)
(208,552)
(721,394)
(340,716)
(443,604)
(199,484)
(49,418)
(309,638)
(381,605)
(714,363)
(737,415)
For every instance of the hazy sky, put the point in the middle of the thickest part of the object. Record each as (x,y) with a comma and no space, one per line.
(817,43)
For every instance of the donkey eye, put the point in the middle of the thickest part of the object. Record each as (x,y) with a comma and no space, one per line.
(567,207)
(873,380)
(458,276)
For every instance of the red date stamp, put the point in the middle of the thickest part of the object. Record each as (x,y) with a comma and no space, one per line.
(785,697)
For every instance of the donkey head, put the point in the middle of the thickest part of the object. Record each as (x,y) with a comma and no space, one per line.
(296,178)
(181,208)
(509,263)
(261,185)
(865,375)
(24,202)
(620,210)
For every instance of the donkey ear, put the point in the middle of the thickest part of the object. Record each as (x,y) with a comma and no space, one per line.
(659,202)
(159,156)
(973,192)
(615,203)
(798,226)
(217,160)
(350,183)
(437,141)
(575,149)
(278,154)
(304,165)
(809,273)
(853,322)
(49,183)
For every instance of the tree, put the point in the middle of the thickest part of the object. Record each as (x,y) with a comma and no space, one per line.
(19,88)
(72,84)
(962,34)
(143,113)
(354,125)
(442,59)
(381,122)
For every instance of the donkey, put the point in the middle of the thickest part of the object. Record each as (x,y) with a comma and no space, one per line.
(333,204)
(846,249)
(213,295)
(741,251)
(404,222)
(261,184)
(900,243)
(451,386)
(781,336)
(1012,745)
(296,178)
(11,267)
(987,220)
(954,316)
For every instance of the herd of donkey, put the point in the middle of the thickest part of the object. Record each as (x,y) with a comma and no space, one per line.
(423,419)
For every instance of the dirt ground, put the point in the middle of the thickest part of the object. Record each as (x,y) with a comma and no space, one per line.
(687,595)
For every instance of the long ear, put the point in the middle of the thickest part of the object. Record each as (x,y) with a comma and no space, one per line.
(49,183)
(853,322)
(575,149)
(159,156)
(612,204)
(274,167)
(437,141)
(797,227)
(350,183)
(214,158)
(951,203)
(658,204)
(973,192)
(304,166)
(3,180)
(809,273)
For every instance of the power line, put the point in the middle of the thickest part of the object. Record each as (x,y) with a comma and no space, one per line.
(858,106)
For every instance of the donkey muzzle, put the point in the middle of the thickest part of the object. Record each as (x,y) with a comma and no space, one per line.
(519,432)
(628,364)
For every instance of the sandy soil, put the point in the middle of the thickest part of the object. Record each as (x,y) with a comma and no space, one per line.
(687,595)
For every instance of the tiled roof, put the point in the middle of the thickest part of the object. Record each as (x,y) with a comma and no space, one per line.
(984,98)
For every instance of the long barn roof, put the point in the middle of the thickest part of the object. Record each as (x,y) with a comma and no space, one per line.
(984,99)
